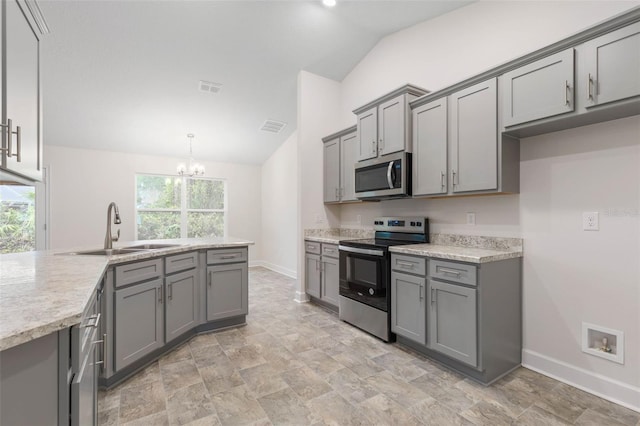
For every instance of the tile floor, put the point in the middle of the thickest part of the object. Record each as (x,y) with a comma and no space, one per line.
(296,364)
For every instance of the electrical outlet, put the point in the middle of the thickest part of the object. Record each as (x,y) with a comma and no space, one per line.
(590,221)
(471,218)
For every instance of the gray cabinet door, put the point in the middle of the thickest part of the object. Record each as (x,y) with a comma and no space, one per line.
(332,171)
(181,292)
(348,158)
(84,390)
(368,134)
(613,66)
(453,321)
(538,90)
(330,280)
(391,126)
(474,138)
(227,291)
(22,93)
(430,148)
(139,319)
(312,274)
(408,313)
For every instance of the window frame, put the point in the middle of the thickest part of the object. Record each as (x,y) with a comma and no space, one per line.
(184,210)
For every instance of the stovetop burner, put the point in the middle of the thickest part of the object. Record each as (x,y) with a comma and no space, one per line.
(394,231)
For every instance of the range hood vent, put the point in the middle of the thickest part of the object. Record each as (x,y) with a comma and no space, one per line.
(273,126)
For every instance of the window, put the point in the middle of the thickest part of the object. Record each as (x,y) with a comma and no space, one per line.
(180,207)
(17,218)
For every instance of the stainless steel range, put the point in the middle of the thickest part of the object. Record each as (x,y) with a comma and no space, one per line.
(365,273)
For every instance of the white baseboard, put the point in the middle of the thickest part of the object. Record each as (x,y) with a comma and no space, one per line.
(275,268)
(301,297)
(597,384)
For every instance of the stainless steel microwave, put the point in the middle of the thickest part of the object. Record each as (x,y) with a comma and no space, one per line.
(384,178)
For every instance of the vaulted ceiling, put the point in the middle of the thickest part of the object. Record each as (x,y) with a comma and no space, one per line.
(124,75)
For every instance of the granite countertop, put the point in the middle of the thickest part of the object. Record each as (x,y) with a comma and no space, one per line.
(463,254)
(42,292)
(331,239)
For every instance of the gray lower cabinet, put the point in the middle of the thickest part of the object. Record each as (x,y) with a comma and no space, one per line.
(312,274)
(139,321)
(181,313)
(453,321)
(84,390)
(408,307)
(330,280)
(227,291)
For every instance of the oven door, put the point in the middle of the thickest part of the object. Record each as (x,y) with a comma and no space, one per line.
(364,276)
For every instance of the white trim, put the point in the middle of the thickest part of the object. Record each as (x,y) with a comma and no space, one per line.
(301,297)
(605,387)
(275,268)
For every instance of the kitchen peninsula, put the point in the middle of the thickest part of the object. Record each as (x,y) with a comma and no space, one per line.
(67,319)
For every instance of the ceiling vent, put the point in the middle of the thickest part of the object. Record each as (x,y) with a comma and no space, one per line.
(273,126)
(209,87)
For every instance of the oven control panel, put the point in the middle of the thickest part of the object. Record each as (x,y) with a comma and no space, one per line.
(415,225)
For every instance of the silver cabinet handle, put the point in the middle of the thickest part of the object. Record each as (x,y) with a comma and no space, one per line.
(160,294)
(317,265)
(450,271)
(310,247)
(233,256)
(421,296)
(433,296)
(104,351)
(170,291)
(405,264)
(210,277)
(389,169)
(589,86)
(381,145)
(453,177)
(94,324)
(566,92)
(8,133)
(373,146)
(18,153)
(97,342)
(337,196)
(442,179)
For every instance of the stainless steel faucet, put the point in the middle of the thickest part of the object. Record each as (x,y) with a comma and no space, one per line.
(109,239)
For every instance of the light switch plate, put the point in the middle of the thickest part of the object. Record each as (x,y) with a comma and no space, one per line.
(590,221)
(471,218)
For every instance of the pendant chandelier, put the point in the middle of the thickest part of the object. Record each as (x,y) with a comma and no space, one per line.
(193,168)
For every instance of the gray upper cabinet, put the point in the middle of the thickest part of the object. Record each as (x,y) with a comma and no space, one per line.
(20,96)
(392,120)
(332,171)
(474,138)
(348,158)
(384,125)
(181,292)
(368,134)
(227,291)
(139,321)
(408,309)
(340,156)
(453,321)
(612,64)
(430,148)
(538,90)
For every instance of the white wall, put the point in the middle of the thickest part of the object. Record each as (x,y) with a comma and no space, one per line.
(280,208)
(318,99)
(84,182)
(569,276)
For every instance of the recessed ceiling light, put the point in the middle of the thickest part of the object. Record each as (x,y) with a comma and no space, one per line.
(329,3)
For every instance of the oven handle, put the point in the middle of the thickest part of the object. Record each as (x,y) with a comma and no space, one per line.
(361,251)
(389,178)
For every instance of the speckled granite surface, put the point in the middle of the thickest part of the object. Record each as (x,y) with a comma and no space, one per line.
(335,235)
(42,292)
(463,254)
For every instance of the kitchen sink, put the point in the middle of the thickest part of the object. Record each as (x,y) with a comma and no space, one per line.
(151,246)
(107,252)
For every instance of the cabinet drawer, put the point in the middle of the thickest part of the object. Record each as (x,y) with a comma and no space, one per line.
(330,250)
(411,264)
(180,262)
(312,247)
(452,271)
(138,271)
(215,257)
